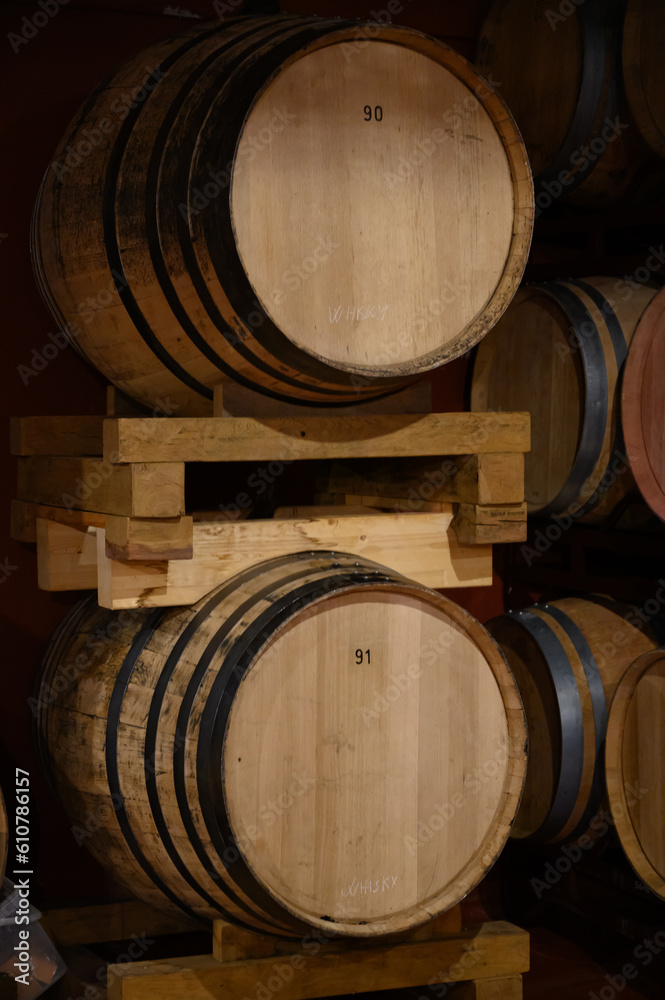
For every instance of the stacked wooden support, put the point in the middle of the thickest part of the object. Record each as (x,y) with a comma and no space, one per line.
(485,962)
(104,498)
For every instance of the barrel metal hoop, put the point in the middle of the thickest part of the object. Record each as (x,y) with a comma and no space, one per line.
(139,643)
(570,720)
(593,20)
(215,717)
(597,399)
(599,705)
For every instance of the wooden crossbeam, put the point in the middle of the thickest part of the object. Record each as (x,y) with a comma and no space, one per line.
(242,439)
(423,547)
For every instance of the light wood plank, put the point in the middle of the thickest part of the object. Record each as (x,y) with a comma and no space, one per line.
(132,539)
(234,400)
(140,490)
(495,950)
(326,510)
(478,478)
(422,547)
(109,922)
(241,439)
(66,557)
(56,435)
(24,519)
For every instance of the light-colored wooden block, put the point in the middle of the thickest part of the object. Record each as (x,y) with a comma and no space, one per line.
(132,539)
(493,951)
(241,439)
(322,510)
(24,519)
(140,490)
(492,479)
(66,557)
(480,524)
(234,400)
(422,547)
(56,435)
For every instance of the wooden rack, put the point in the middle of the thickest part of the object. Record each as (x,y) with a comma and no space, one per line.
(104,497)
(485,962)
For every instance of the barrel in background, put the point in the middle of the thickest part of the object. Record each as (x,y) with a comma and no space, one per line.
(643,71)
(286,203)
(635,767)
(558,353)
(317,743)
(567,657)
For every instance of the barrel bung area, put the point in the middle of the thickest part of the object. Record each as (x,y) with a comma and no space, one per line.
(335,522)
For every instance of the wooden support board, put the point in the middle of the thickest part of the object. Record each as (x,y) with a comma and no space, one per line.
(490,958)
(72,925)
(423,547)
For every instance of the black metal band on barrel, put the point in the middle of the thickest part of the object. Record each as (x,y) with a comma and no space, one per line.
(215,717)
(596,395)
(152,728)
(111,754)
(599,706)
(589,115)
(570,721)
(113,254)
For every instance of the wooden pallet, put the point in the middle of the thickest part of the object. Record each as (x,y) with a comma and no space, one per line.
(485,962)
(104,497)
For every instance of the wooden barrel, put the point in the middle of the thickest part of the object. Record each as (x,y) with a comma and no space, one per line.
(317,743)
(560,75)
(635,767)
(318,209)
(643,405)
(557,353)
(567,658)
(643,73)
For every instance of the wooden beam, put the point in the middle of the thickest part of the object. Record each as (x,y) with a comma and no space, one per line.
(493,951)
(141,490)
(132,539)
(56,435)
(109,922)
(486,479)
(485,524)
(24,519)
(242,439)
(66,557)
(234,400)
(423,547)
(508,988)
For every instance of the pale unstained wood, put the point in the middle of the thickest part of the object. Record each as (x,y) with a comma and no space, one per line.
(423,547)
(486,524)
(66,556)
(56,435)
(236,439)
(24,519)
(496,950)
(132,539)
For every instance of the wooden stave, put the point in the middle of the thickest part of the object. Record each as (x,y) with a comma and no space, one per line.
(175,622)
(599,99)
(638,14)
(648,472)
(386,380)
(576,620)
(614,771)
(610,327)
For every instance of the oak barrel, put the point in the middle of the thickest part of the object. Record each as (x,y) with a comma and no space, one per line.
(558,353)
(635,767)
(318,209)
(317,743)
(560,73)
(643,405)
(643,71)
(567,658)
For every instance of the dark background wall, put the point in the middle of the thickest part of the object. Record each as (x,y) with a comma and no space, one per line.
(44,79)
